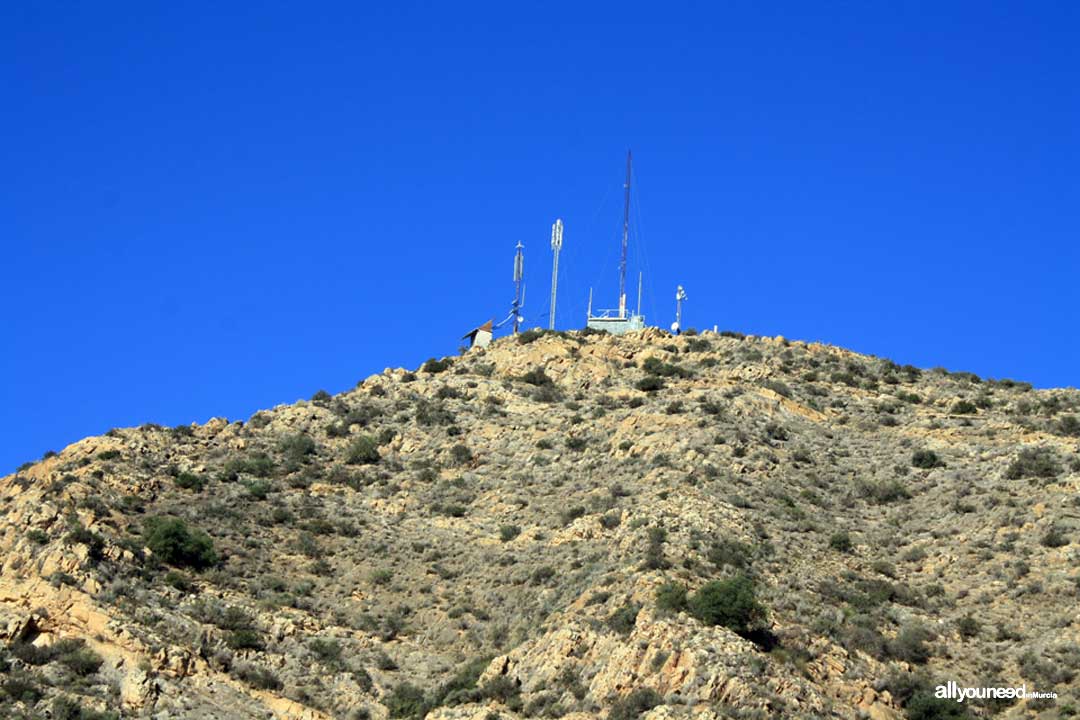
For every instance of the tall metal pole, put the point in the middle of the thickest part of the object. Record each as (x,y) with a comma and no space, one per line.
(625,240)
(680,295)
(556,245)
(519,273)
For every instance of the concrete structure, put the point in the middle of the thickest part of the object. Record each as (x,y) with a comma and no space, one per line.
(479,337)
(614,324)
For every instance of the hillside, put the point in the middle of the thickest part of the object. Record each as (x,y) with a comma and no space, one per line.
(561,525)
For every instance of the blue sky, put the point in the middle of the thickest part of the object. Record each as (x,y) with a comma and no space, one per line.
(207,209)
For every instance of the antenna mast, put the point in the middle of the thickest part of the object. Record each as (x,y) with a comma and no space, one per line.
(680,295)
(625,240)
(519,273)
(556,245)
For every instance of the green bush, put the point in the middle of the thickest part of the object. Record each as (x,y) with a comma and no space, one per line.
(327,652)
(502,689)
(258,489)
(406,701)
(82,661)
(69,652)
(731,603)
(841,541)
(94,543)
(509,532)
(178,580)
(964,407)
(1033,463)
(296,447)
(576,443)
(910,645)
(257,465)
(923,705)
(382,576)
(732,553)
(569,515)
(968,626)
(883,492)
(190,481)
(926,459)
(258,677)
(244,640)
(623,620)
(657,367)
(537,377)
(777,387)
(20,687)
(1054,538)
(362,451)
(461,688)
(611,520)
(1068,425)
(654,550)
(434,366)
(461,454)
(634,705)
(671,597)
(171,541)
(524,338)
(650,383)
(65,708)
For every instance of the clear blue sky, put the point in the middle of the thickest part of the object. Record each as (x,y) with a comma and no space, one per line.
(210,208)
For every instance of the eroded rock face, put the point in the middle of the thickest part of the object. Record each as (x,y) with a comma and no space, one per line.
(487,536)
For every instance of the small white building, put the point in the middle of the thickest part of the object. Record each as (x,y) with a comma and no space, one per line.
(481,336)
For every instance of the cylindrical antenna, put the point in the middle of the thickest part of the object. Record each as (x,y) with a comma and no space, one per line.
(625,241)
(519,274)
(680,295)
(556,245)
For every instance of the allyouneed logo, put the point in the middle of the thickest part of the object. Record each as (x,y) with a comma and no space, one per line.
(952,691)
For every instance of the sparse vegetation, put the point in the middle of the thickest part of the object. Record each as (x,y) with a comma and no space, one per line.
(372,551)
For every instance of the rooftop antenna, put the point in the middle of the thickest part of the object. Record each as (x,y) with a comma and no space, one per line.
(625,241)
(556,246)
(680,295)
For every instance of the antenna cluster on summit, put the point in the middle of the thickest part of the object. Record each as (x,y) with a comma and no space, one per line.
(614,321)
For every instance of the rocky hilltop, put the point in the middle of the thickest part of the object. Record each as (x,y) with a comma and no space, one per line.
(561,525)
